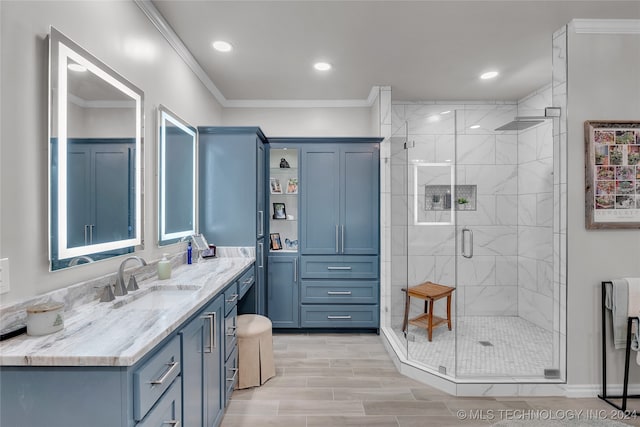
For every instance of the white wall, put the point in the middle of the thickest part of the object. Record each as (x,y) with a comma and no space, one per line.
(110,31)
(604,89)
(320,121)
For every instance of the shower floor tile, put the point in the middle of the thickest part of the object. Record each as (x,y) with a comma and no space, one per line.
(487,346)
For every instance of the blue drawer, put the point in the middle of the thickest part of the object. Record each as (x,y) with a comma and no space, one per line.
(230,331)
(342,316)
(246,281)
(339,292)
(339,267)
(155,376)
(230,297)
(168,410)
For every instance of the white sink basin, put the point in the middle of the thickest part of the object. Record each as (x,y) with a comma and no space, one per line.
(158,298)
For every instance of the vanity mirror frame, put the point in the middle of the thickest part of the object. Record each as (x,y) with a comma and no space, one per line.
(166,237)
(61,51)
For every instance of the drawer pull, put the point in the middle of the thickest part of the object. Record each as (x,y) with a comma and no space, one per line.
(338,292)
(172,367)
(338,317)
(249,280)
(233,331)
(234,297)
(338,268)
(174,423)
(235,374)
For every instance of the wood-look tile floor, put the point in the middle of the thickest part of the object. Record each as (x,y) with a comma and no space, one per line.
(333,380)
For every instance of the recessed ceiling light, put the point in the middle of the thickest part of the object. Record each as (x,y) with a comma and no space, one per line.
(322,66)
(77,67)
(222,46)
(489,75)
(445,112)
(474,126)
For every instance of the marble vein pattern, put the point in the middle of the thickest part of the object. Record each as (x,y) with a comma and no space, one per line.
(120,333)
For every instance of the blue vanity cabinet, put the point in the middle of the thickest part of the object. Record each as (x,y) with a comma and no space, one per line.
(232,192)
(282,301)
(202,355)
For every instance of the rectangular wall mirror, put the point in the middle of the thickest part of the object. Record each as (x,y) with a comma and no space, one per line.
(95,158)
(176,177)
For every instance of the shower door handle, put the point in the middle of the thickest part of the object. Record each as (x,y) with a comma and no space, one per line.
(464,252)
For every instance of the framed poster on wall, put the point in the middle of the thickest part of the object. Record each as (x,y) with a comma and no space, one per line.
(612,178)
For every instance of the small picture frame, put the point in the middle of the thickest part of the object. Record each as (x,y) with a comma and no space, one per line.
(292,186)
(275,242)
(275,186)
(279,211)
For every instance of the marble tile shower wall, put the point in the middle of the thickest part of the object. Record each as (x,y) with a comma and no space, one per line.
(535,213)
(488,282)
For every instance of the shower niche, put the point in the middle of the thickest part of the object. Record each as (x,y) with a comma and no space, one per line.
(440,198)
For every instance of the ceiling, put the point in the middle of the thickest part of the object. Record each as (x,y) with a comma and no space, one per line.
(425,50)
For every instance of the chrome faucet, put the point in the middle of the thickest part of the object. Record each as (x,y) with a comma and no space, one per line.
(76,260)
(121,289)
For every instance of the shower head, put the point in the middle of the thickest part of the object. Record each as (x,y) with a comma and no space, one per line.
(524,122)
(520,124)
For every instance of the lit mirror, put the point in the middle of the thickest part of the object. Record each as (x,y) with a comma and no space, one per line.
(176,177)
(95,150)
(433,193)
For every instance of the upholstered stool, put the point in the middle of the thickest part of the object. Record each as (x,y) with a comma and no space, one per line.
(255,350)
(429,292)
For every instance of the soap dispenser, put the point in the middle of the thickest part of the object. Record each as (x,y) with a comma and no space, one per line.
(164,268)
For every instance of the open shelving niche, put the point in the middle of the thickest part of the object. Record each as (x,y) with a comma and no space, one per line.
(283,188)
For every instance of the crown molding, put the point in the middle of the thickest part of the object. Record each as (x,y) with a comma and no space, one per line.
(605,26)
(167,32)
(165,29)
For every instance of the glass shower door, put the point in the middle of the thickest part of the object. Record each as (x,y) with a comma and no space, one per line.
(431,237)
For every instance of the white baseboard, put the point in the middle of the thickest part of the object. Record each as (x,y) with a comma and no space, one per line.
(593,390)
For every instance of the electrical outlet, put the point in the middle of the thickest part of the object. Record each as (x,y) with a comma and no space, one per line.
(4,276)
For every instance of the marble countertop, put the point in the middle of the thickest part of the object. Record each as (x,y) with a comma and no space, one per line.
(121,332)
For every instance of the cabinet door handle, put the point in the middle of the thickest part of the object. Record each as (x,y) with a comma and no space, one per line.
(338,317)
(91,233)
(234,297)
(213,335)
(261,219)
(174,423)
(209,316)
(338,268)
(338,292)
(172,366)
(337,241)
(85,234)
(295,270)
(342,239)
(261,250)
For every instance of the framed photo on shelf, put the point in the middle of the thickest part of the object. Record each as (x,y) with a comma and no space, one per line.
(279,211)
(275,186)
(612,178)
(292,186)
(275,242)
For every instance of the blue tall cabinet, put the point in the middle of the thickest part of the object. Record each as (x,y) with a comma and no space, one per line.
(330,277)
(232,194)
